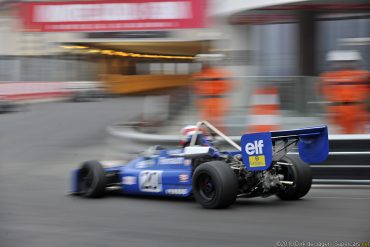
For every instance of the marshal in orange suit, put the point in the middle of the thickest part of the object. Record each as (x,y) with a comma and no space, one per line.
(347,89)
(211,86)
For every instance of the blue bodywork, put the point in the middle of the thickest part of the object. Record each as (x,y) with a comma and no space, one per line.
(161,174)
(167,172)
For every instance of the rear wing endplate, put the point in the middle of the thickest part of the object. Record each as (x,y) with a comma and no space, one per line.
(313,142)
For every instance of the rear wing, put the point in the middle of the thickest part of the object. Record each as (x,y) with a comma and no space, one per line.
(259,150)
(313,143)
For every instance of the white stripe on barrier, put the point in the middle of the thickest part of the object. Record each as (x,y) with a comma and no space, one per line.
(32,90)
(349,153)
(340,181)
(339,166)
(341,198)
(343,153)
(344,186)
(265,99)
(263,120)
(15,88)
(350,137)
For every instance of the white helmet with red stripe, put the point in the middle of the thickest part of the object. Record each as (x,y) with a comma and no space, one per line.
(189,130)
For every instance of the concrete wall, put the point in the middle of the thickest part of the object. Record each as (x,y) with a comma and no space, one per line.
(9,38)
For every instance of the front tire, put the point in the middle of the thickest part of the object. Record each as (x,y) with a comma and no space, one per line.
(91,180)
(300,173)
(214,185)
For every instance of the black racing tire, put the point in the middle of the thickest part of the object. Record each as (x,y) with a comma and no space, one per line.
(215,185)
(91,180)
(300,173)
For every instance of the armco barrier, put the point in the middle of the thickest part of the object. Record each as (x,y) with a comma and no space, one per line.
(19,91)
(348,161)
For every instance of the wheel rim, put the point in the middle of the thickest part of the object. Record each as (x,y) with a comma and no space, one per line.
(206,187)
(86,180)
(288,173)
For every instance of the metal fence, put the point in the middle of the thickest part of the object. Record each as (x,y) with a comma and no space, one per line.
(297,94)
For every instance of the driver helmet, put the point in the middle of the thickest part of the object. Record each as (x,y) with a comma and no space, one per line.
(204,139)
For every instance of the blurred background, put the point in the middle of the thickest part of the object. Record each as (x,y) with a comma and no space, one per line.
(89,79)
(54,48)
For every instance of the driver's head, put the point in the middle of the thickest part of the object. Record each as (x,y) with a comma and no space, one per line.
(187,133)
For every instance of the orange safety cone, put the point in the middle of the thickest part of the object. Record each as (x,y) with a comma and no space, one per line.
(265,110)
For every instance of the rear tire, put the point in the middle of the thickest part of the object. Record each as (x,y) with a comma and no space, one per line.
(300,173)
(91,180)
(215,185)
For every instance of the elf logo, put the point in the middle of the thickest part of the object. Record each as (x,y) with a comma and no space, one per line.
(257,151)
(252,148)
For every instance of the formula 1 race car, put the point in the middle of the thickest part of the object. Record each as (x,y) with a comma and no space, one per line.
(215,178)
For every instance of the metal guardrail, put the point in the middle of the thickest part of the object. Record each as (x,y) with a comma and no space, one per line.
(348,161)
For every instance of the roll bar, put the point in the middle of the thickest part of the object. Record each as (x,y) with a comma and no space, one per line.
(214,129)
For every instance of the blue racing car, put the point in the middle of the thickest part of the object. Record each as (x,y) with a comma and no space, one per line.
(215,178)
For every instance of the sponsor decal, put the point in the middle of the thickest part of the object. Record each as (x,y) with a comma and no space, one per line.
(150,181)
(257,161)
(144,164)
(171,161)
(174,151)
(128,180)
(111,163)
(176,191)
(257,150)
(187,162)
(183,178)
(251,149)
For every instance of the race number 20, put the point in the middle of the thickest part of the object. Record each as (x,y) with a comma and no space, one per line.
(150,181)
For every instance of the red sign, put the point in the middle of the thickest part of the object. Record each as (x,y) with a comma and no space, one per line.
(112,15)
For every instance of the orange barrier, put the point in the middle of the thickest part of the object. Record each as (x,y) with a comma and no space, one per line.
(264,113)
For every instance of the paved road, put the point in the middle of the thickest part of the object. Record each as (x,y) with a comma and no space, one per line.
(39,147)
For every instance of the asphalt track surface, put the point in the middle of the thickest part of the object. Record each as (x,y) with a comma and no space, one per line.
(40,146)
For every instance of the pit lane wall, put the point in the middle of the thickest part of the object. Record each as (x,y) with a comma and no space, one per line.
(25,91)
(348,161)
(30,92)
